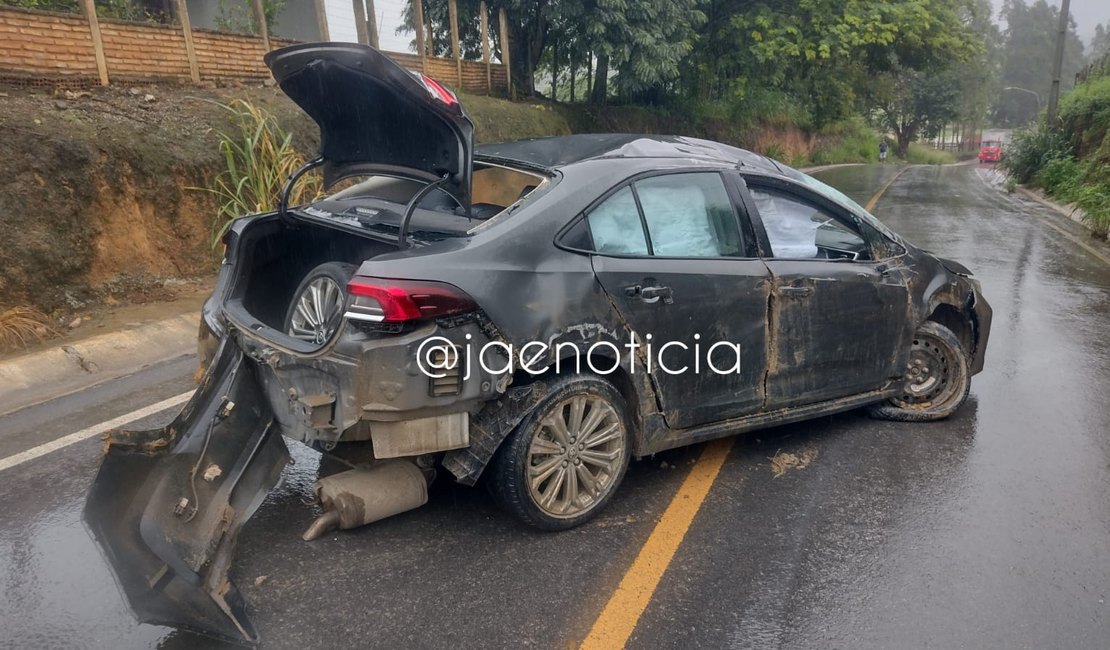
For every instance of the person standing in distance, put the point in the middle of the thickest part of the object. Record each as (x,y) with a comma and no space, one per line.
(882,151)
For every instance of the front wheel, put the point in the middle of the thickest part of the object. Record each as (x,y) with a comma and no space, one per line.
(937,381)
(563,462)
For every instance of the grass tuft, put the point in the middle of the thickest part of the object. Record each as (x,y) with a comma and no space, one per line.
(22,326)
(919,154)
(258,159)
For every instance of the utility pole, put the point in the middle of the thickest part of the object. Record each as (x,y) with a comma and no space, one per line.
(1061,38)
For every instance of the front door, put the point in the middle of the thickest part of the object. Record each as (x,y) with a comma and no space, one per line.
(839,317)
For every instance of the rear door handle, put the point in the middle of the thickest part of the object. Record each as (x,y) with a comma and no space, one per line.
(653,294)
(650,295)
(795,292)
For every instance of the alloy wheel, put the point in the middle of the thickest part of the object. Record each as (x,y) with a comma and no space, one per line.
(575,456)
(319,308)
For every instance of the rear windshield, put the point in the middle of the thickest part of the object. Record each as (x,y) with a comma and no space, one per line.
(378,203)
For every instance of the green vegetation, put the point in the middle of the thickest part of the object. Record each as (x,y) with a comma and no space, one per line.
(113,9)
(736,69)
(844,142)
(919,154)
(1071,160)
(238,16)
(1025,76)
(258,159)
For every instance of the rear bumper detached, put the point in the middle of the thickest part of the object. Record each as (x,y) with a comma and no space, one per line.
(167,505)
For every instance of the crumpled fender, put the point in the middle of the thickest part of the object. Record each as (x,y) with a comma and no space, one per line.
(167,504)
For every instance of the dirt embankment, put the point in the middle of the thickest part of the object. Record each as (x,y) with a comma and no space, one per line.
(98,197)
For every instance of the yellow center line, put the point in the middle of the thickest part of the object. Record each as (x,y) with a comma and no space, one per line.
(875,199)
(617,621)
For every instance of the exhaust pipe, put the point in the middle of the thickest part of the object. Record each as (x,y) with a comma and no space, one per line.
(361,496)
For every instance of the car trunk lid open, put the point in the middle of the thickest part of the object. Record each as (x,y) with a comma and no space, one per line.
(376,117)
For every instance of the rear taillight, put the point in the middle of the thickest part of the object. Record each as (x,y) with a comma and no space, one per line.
(381,300)
(438,91)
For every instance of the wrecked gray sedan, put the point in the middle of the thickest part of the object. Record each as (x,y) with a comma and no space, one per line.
(531,315)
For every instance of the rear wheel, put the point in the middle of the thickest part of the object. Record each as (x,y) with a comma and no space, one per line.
(318,303)
(563,462)
(937,381)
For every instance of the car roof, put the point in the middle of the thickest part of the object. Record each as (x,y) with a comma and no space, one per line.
(564,150)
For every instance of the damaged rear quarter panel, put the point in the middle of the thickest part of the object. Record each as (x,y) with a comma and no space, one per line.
(531,291)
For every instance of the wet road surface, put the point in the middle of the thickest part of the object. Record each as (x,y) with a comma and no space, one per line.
(990,529)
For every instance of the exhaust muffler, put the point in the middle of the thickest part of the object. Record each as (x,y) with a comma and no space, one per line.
(361,496)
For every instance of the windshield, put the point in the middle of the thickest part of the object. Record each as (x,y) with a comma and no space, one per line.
(845,201)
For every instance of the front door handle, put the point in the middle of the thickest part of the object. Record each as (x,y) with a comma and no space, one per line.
(795,292)
(650,295)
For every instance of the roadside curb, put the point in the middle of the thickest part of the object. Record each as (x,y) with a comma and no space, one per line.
(1075,214)
(59,370)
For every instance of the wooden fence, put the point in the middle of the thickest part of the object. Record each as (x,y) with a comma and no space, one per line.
(49,46)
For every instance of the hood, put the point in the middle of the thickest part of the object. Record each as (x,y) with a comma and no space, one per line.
(954,266)
(376,117)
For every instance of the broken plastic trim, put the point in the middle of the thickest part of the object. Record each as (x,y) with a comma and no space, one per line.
(287,190)
(403,233)
(169,533)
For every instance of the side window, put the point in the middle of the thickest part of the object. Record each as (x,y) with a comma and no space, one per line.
(689,215)
(798,229)
(615,225)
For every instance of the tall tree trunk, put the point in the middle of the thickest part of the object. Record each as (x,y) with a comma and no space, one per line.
(601,81)
(905,137)
(589,74)
(555,71)
(573,69)
(523,72)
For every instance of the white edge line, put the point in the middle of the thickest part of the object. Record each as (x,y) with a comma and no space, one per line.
(96,429)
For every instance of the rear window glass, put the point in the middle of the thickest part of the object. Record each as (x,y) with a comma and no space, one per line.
(686,215)
(615,225)
(689,215)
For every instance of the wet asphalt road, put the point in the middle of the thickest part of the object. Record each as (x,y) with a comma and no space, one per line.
(991,529)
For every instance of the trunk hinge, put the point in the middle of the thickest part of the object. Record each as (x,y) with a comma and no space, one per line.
(287,191)
(403,233)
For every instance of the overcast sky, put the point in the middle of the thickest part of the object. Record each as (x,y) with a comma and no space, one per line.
(1087,14)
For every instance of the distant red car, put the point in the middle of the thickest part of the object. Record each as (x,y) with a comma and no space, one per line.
(990,151)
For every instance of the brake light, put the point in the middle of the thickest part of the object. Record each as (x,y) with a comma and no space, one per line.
(383,300)
(438,91)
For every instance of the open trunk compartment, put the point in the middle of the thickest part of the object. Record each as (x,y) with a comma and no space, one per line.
(274,256)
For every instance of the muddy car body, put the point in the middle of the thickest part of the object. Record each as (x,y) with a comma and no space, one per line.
(486,314)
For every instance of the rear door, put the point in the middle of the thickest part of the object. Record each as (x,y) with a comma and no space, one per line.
(839,309)
(681,266)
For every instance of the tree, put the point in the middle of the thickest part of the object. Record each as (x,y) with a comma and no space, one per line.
(528,25)
(436,16)
(644,40)
(827,52)
(914,103)
(1030,47)
(979,78)
(1100,43)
